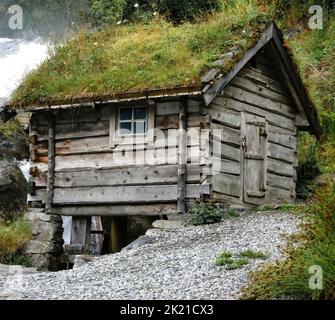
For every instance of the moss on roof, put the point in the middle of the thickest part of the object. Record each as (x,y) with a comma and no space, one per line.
(142,56)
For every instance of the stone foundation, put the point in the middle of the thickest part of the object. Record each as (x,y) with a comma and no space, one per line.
(46,247)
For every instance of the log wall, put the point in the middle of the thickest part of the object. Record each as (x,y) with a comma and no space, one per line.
(90,170)
(256,92)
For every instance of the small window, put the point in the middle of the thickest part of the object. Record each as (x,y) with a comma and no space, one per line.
(133,121)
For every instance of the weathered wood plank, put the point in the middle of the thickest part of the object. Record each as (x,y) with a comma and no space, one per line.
(165,108)
(117,210)
(125,194)
(225,151)
(182,158)
(76,130)
(225,166)
(226,184)
(125,158)
(256,75)
(225,116)
(125,176)
(254,99)
(226,135)
(280,168)
(51,163)
(280,182)
(261,90)
(281,153)
(283,139)
(272,118)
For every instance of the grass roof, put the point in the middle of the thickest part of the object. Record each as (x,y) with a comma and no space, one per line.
(142,56)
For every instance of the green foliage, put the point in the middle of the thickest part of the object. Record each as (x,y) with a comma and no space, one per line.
(232,213)
(290,278)
(108,61)
(232,262)
(250,254)
(203,213)
(236,264)
(13,237)
(110,11)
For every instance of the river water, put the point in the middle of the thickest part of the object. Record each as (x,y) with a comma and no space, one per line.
(17,57)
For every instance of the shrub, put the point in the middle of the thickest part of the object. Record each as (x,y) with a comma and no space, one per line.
(110,11)
(290,278)
(13,237)
(253,254)
(309,166)
(229,261)
(203,213)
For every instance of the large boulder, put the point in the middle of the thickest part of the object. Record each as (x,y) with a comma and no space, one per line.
(13,191)
(13,141)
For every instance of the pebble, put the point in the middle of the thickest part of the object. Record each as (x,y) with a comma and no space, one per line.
(175,265)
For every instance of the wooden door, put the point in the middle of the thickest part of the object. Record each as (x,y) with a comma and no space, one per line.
(254,159)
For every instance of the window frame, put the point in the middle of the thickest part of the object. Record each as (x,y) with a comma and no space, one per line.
(132,121)
(148,137)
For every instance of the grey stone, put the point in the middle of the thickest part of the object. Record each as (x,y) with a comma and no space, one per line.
(40,247)
(82,259)
(141,241)
(210,75)
(167,224)
(13,191)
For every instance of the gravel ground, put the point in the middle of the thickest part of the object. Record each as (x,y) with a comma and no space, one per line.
(179,264)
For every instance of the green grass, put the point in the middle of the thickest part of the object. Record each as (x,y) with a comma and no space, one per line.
(232,213)
(144,56)
(13,236)
(285,207)
(235,261)
(250,254)
(290,278)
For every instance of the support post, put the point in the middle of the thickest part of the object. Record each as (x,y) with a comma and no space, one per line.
(80,235)
(51,162)
(118,236)
(182,157)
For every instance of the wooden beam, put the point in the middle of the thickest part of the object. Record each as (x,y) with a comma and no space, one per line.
(182,157)
(118,236)
(117,210)
(51,162)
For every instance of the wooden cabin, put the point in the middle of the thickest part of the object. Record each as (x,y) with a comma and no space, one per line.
(231,138)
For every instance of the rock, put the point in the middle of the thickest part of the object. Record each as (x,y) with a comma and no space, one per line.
(13,191)
(47,245)
(12,270)
(82,259)
(140,242)
(210,75)
(13,142)
(166,224)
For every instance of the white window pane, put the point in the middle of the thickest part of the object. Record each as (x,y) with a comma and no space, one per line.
(140,127)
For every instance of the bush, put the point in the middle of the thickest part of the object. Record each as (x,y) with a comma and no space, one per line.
(13,236)
(309,166)
(290,278)
(203,213)
(110,11)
